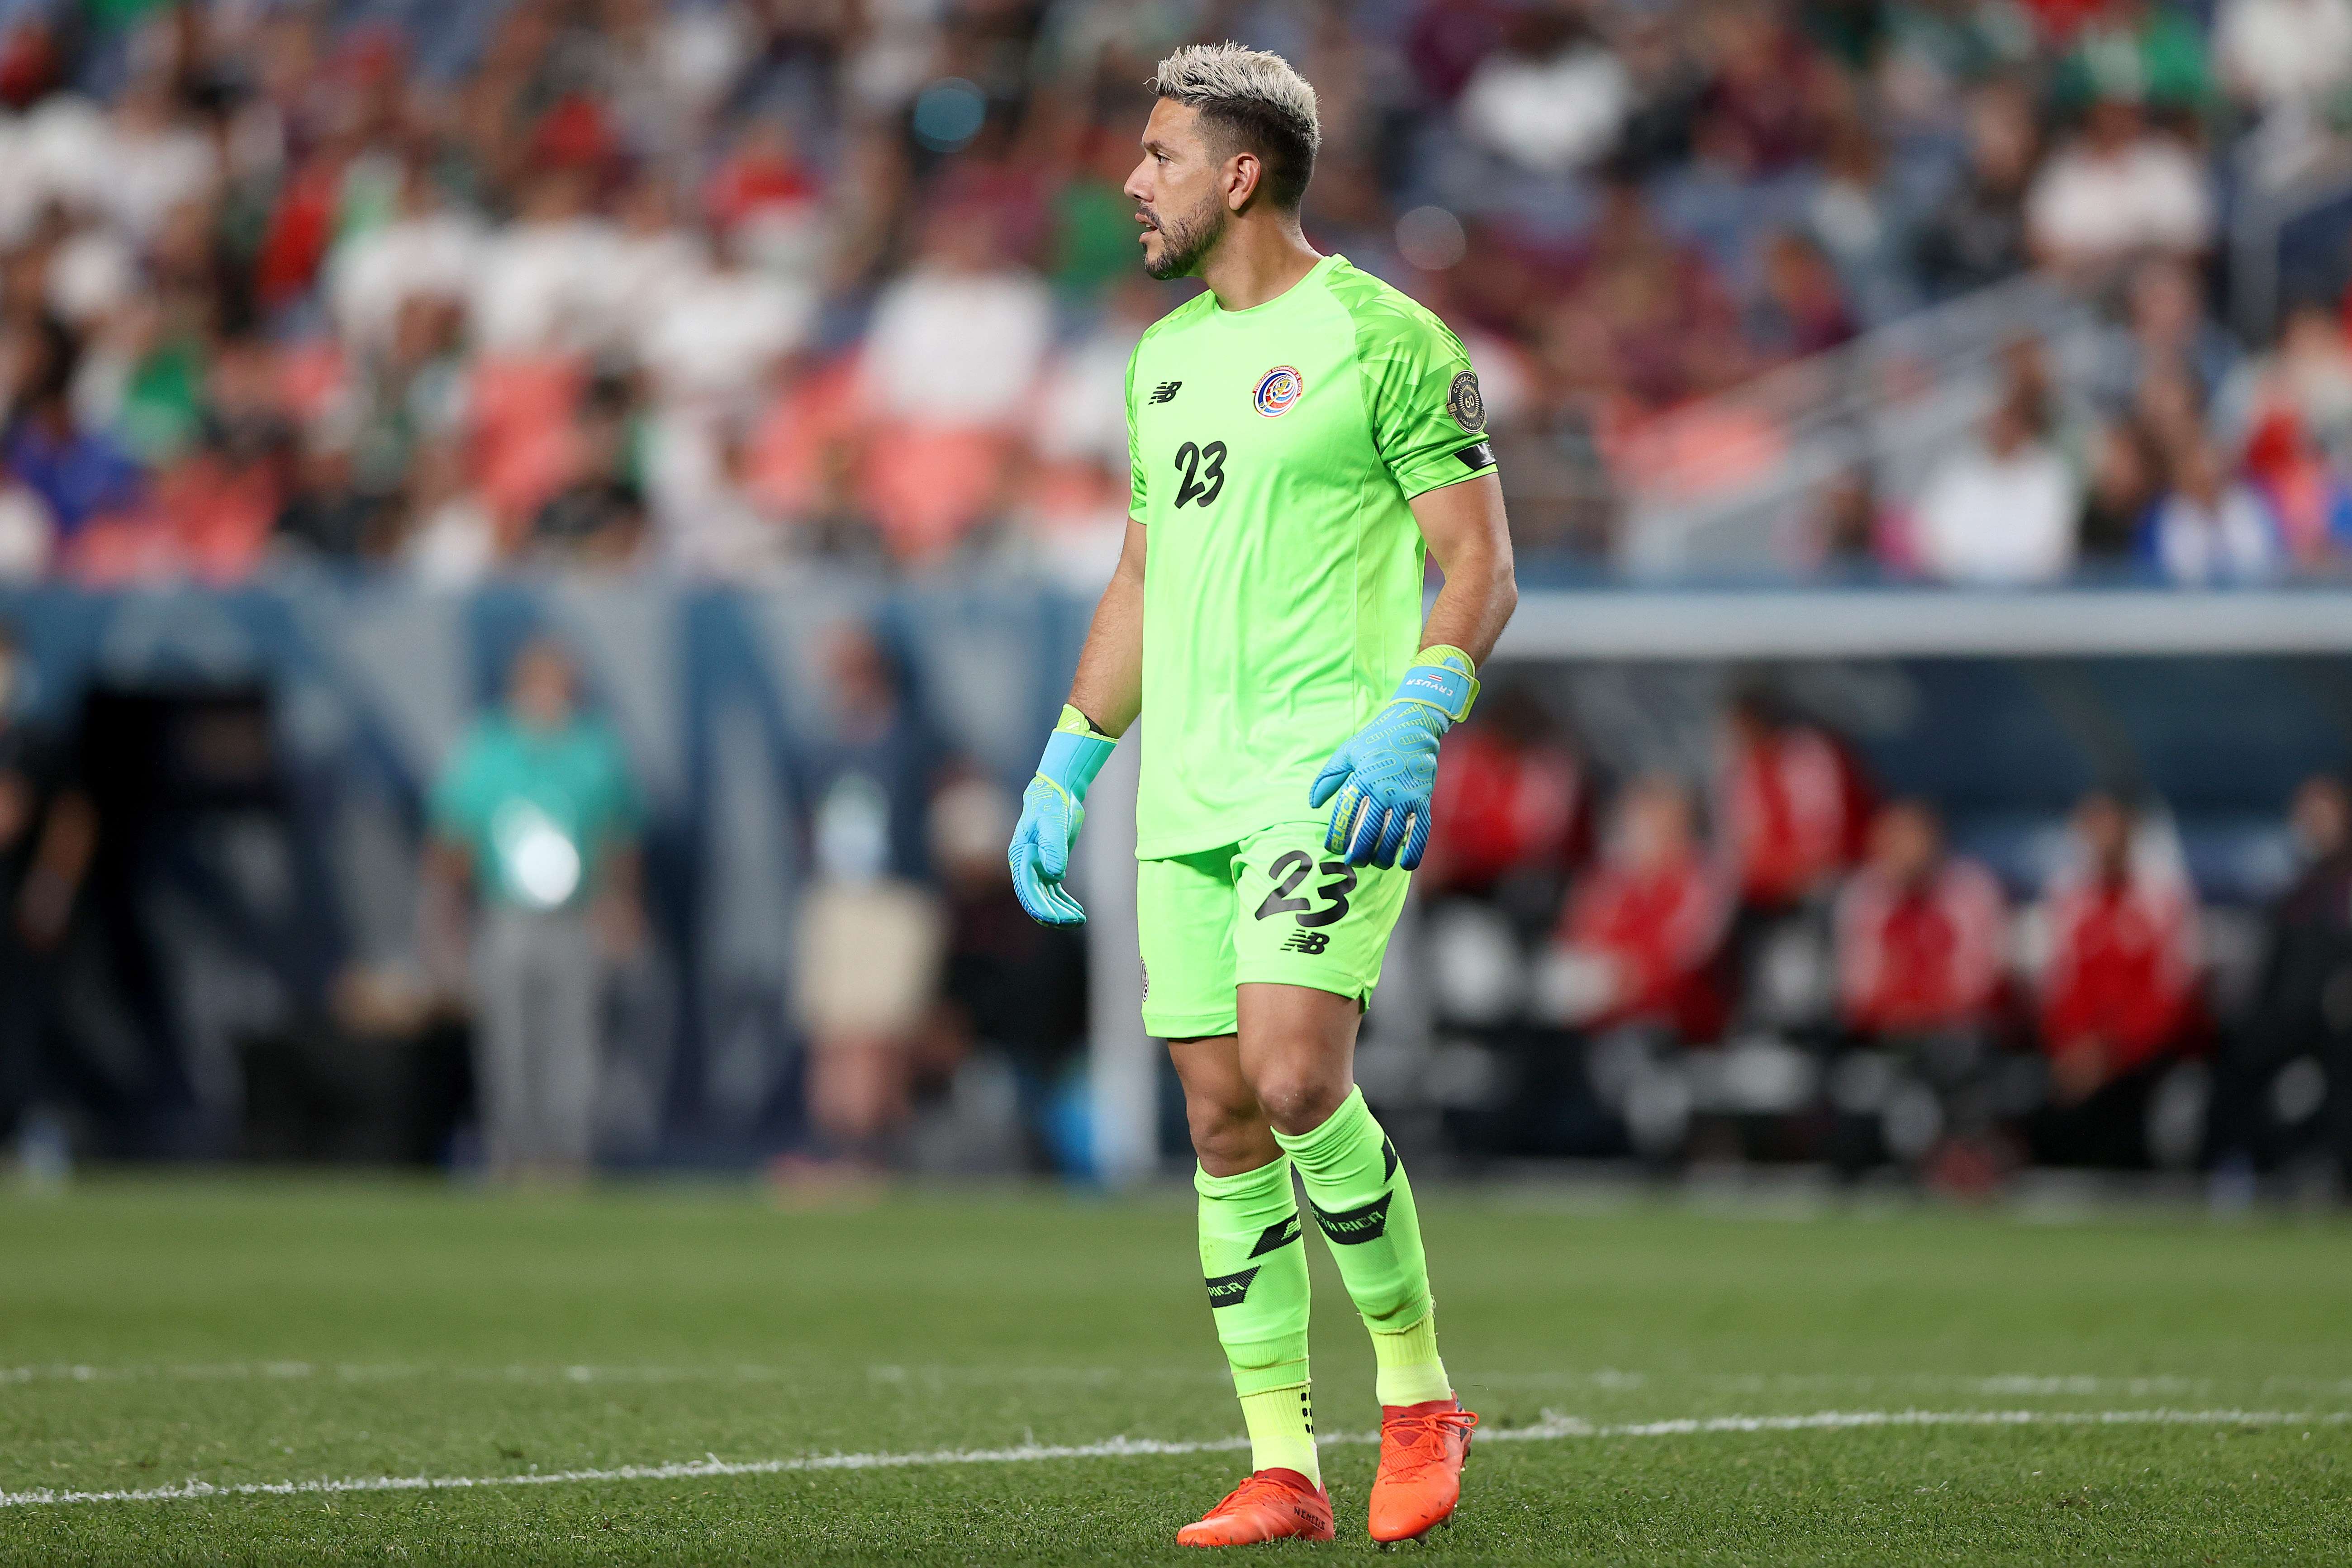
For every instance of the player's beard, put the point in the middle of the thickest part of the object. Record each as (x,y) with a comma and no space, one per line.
(1186,242)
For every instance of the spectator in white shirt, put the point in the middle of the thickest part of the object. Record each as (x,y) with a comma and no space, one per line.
(2002,512)
(2276,54)
(713,335)
(958,341)
(543,282)
(425,249)
(154,161)
(2117,191)
(1550,101)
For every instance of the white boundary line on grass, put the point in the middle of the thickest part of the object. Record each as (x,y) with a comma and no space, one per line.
(1552,1427)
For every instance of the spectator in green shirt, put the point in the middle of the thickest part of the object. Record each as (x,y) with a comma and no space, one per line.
(536,811)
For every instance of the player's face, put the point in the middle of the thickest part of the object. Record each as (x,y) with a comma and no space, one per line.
(1177,190)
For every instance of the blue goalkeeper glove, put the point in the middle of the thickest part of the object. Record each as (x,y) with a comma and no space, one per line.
(1052,808)
(1383,776)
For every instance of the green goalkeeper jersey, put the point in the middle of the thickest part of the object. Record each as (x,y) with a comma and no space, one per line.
(1273,451)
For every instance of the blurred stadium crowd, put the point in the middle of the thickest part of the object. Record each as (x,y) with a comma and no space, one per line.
(1781,965)
(718,288)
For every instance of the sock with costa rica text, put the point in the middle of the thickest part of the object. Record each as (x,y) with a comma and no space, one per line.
(1253,1257)
(1363,1206)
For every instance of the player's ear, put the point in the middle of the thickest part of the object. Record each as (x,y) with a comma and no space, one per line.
(1243,173)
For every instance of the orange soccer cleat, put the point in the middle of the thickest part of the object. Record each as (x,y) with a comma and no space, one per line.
(1269,1505)
(1422,1450)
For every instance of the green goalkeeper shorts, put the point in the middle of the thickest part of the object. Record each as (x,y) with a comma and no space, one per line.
(1276,907)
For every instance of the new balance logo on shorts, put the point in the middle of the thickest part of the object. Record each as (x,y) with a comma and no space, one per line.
(1165,392)
(1352,1227)
(1309,943)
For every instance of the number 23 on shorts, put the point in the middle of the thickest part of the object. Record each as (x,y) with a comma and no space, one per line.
(1309,917)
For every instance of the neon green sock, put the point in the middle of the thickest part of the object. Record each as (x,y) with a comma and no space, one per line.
(1254,1260)
(1363,1206)
(1281,1423)
(1410,1371)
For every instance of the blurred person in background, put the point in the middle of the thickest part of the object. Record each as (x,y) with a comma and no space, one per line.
(1008,984)
(2164,326)
(1793,805)
(866,973)
(2119,999)
(2126,481)
(1637,942)
(1793,809)
(2301,1010)
(537,813)
(49,830)
(1511,810)
(2283,55)
(2002,512)
(2117,191)
(1920,937)
(1976,234)
(871,930)
(2211,527)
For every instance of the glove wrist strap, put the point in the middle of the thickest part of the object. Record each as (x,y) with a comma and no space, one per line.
(1074,753)
(1441,679)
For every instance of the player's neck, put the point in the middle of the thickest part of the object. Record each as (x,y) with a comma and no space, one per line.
(1257,262)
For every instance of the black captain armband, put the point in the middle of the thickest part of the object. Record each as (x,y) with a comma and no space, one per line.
(1477,455)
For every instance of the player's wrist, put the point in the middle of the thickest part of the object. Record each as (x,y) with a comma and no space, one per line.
(1075,752)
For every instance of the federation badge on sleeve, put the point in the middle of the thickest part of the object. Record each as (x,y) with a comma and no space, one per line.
(1469,409)
(1277,390)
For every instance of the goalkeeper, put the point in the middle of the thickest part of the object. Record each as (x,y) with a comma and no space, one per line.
(1300,435)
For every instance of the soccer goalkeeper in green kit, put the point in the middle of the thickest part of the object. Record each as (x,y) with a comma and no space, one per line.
(1300,435)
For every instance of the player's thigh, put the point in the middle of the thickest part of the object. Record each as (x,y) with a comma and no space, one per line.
(1184,925)
(1297,1051)
(1305,917)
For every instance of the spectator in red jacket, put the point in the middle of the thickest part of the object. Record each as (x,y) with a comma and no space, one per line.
(1638,941)
(1795,808)
(1509,805)
(2120,996)
(1920,932)
(1919,938)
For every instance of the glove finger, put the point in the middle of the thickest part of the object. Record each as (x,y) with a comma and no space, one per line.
(1392,831)
(1032,893)
(1369,827)
(1417,842)
(1334,772)
(1343,821)
(1068,912)
(1054,848)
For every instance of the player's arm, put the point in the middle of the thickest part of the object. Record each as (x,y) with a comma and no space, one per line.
(1108,688)
(1381,782)
(1471,543)
(1105,696)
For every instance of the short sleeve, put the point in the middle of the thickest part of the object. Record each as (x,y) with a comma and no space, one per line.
(1422,399)
(1134,443)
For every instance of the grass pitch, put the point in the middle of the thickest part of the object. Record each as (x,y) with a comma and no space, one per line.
(1985,1389)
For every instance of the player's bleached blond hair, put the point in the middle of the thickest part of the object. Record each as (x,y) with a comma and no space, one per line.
(1257,102)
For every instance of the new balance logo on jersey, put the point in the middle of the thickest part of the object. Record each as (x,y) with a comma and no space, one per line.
(1353,1228)
(1309,943)
(1233,1289)
(1165,392)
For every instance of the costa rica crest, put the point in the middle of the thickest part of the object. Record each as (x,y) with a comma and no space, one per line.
(1277,390)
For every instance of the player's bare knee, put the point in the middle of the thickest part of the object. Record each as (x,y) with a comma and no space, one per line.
(1298,1098)
(1228,1134)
